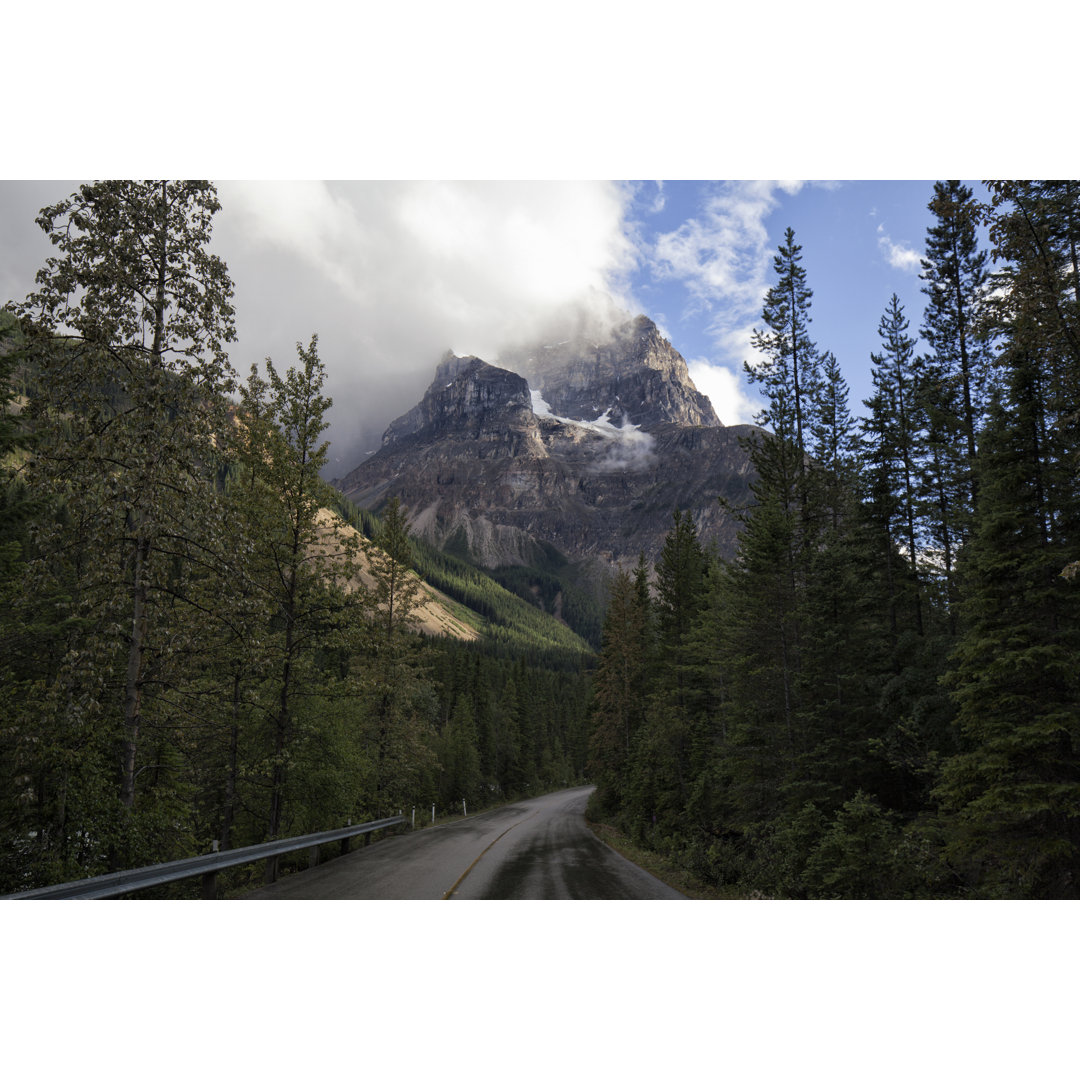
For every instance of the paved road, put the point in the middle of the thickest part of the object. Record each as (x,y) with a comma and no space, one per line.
(540,849)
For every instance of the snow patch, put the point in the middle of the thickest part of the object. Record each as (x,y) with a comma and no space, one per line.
(539,406)
(631,448)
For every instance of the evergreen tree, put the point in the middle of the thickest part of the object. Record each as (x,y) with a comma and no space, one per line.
(956,372)
(390,560)
(893,432)
(127,330)
(789,369)
(1014,787)
(620,688)
(303,562)
(1012,792)
(399,720)
(956,275)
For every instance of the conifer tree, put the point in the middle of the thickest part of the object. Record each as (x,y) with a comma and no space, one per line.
(399,724)
(128,329)
(303,562)
(894,433)
(789,369)
(1014,786)
(956,275)
(1012,791)
(620,688)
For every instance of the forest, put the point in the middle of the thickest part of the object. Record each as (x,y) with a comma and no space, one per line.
(878,697)
(188,656)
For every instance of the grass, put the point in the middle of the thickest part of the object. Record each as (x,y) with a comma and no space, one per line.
(664,868)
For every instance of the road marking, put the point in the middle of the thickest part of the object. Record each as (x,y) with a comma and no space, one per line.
(453,888)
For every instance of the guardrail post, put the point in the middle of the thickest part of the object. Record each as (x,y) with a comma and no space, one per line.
(271,869)
(209,885)
(345,845)
(313,857)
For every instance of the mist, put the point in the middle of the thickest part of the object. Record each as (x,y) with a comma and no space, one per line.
(389,274)
(392,274)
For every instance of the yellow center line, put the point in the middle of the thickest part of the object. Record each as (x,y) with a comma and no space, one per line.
(453,888)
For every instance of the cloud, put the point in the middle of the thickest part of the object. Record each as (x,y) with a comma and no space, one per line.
(898,256)
(723,254)
(723,257)
(391,274)
(724,389)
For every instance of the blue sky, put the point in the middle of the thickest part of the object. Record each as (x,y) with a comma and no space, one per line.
(707,251)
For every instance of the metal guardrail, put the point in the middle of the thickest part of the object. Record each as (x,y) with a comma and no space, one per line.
(109,886)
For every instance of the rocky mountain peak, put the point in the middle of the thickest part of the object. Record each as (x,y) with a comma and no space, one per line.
(472,400)
(581,465)
(633,374)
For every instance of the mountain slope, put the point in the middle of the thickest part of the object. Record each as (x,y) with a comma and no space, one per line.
(576,462)
(468,604)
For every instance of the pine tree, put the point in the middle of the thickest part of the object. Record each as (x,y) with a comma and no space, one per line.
(893,433)
(127,330)
(302,562)
(620,688)
(789,370)
(1035,230)
(956,276)
(1012,792)
(1014,787)
(398,728)
(390,560)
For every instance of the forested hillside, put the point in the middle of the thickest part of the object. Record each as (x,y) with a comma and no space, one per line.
(879,697)
(187,652)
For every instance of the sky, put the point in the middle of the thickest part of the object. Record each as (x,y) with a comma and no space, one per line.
(390,274)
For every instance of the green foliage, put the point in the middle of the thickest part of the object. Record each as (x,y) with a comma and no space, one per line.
(187,653)
(877,697)
(506,621)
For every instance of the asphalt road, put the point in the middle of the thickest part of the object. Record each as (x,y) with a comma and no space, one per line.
(540,849)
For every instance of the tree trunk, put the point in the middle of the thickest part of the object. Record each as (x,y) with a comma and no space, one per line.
(230,776)
(133,681)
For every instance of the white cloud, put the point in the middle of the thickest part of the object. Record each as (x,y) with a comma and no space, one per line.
(898,256)
(725,390)
(723,256)
(390,274)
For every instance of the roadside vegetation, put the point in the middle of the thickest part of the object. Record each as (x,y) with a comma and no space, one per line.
(192,650)
(878,697)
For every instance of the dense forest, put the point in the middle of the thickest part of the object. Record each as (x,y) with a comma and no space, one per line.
(878,697)
(188,654)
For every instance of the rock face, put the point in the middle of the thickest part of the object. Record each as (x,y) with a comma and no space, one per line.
(636,376)
(580,454)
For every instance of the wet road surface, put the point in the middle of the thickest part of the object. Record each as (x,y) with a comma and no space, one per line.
(539,849)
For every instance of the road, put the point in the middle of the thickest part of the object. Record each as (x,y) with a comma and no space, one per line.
(539,849)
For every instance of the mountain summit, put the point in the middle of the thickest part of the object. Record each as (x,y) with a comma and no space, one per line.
(572,454)
(635,377)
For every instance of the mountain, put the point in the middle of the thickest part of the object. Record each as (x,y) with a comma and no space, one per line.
(568,458)
(635,376)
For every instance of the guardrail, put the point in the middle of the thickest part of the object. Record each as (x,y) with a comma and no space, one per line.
(109,886)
